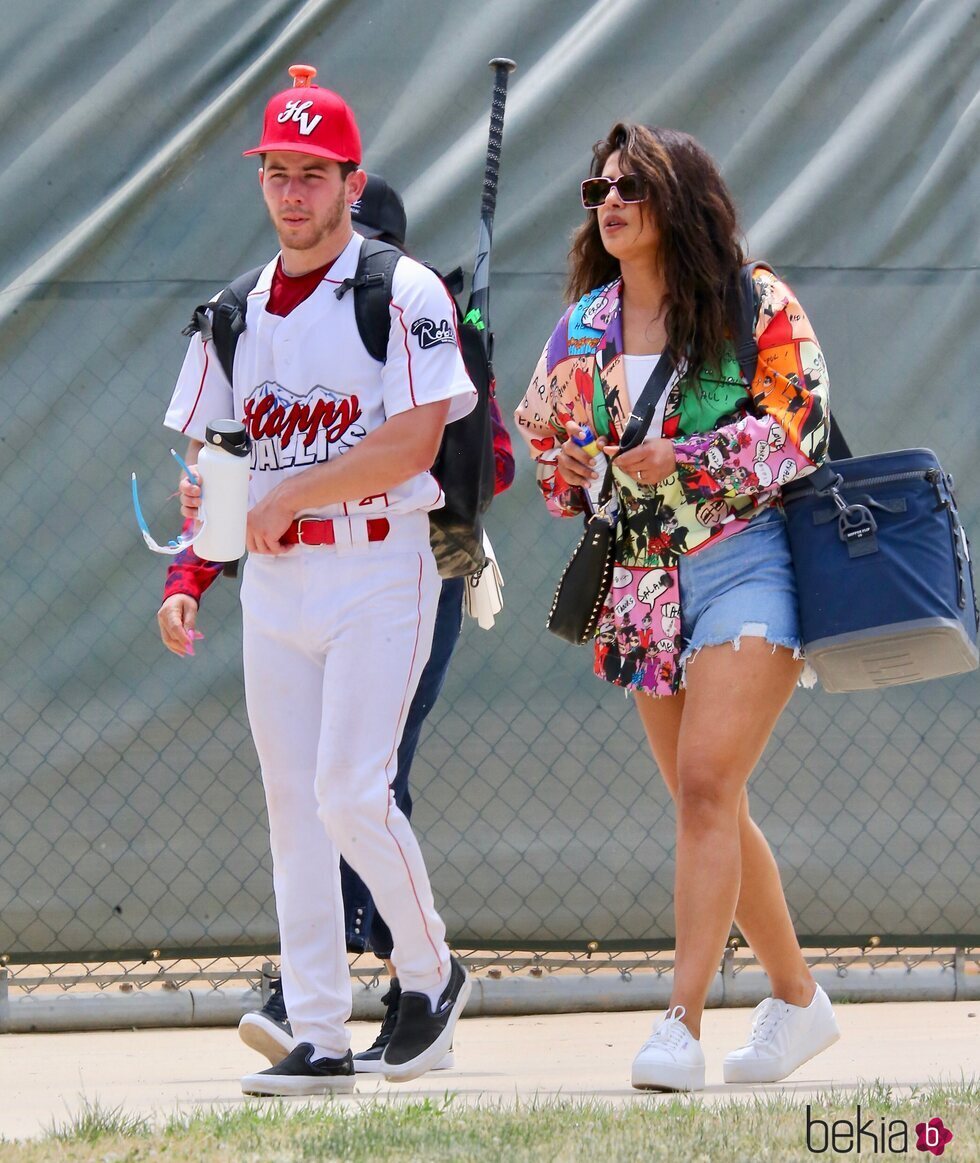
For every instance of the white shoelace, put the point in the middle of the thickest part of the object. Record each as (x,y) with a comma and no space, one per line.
(769,1016)
(671,1032)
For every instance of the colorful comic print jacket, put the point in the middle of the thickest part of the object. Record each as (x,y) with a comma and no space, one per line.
(191,575)
(735,445)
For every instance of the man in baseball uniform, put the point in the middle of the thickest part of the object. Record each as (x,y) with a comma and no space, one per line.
(378,213)
(340,589)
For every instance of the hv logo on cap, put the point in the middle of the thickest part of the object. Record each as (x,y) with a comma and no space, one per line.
(297,111)
(314,121)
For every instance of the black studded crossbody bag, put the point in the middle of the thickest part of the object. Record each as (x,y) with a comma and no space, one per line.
(585,582)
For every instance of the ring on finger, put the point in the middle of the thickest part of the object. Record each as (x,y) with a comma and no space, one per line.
(639,474)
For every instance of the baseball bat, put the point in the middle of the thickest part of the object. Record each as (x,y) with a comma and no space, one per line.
(478,308)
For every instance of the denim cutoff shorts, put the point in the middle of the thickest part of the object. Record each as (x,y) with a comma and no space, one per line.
(741,587)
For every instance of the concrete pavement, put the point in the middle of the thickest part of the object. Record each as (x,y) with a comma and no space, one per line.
(46,1078)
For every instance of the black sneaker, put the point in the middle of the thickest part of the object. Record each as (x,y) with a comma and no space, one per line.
(369,1061)
(422,1035)
(268,1030)
(299,1073)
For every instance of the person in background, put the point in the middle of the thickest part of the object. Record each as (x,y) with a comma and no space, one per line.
(700,624)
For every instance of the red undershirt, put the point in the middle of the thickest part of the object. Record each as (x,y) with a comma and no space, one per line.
(288,291)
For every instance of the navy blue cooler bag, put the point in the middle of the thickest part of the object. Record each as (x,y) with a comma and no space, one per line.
(882,561)
(882,570)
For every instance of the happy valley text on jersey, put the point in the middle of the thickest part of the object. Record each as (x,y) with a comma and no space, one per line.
(290,431)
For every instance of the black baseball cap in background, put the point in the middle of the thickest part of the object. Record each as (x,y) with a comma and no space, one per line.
(379,210)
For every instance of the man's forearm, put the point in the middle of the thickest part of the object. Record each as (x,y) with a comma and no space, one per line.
(400,449)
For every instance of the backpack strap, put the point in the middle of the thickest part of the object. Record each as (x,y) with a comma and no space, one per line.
(747,350)
(371,285)
(453,282)
(223,320)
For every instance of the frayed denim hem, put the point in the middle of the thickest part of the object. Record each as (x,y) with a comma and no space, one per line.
(807,677)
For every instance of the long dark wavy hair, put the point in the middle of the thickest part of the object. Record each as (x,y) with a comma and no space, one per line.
(700,245)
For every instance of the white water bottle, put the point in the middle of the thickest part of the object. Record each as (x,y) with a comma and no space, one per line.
(223,466)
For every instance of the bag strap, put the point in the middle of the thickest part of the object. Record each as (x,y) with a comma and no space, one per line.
(640,418)
(223,320)
(641,415)
(371,285)
(747,350)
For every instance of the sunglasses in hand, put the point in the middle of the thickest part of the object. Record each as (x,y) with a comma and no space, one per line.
(629,187)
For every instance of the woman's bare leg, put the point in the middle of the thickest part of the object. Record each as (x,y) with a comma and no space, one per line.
(761,912)
(730,706)
(763,919)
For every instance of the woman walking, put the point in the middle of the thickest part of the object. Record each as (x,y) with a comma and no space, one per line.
(701,623)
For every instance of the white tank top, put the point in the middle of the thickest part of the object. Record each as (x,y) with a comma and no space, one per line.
(639,368)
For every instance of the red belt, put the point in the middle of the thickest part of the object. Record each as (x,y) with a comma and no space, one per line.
(320,531)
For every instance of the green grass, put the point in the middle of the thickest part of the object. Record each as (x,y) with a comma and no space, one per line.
(94,1122)
(433,1131)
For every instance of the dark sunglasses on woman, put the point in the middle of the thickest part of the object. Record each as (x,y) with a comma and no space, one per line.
(629,187)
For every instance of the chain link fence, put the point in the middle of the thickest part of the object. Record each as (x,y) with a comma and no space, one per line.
(131,812)
(160,992)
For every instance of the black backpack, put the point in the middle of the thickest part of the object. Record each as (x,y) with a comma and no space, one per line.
(464,466)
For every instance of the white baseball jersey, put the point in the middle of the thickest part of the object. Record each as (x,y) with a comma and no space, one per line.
(307,390)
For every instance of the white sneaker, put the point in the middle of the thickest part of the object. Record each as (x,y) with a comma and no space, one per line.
(783,1038)
(671,1058)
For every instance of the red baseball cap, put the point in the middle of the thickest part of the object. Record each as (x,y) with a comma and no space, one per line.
(313,120)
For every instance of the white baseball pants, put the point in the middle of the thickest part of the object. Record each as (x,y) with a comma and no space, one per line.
(335,639)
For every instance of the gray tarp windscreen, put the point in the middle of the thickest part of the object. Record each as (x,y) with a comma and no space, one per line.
(131,812)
